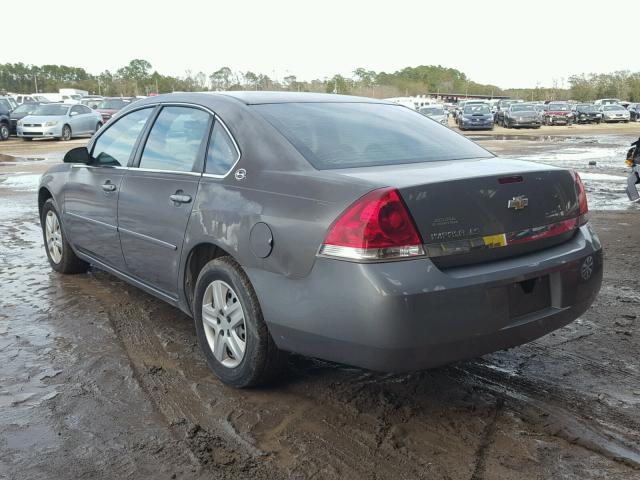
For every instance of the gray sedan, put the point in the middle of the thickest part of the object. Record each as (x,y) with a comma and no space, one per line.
(344,228)
(436,112)
(60,121)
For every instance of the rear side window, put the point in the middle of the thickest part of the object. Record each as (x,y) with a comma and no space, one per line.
(175,141)
(222,152)
(344,135)
(115,145)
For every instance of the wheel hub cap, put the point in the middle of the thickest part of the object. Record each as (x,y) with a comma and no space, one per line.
(224,323)
(53,236)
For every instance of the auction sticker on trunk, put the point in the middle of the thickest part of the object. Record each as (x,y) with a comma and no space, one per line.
(499,240)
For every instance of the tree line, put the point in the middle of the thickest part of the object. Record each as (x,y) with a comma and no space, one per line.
(139,78)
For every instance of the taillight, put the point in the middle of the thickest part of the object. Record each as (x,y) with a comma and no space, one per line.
(377,226)
(582,200)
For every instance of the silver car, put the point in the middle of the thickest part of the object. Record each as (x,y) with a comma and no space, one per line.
(615,113)
(436,112)
(60,121)
(345,228)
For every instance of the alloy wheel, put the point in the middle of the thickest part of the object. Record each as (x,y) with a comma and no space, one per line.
(224,323)
(53,236)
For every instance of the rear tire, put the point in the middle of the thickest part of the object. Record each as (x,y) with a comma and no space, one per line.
(61,257)
(220,335)
(66,133)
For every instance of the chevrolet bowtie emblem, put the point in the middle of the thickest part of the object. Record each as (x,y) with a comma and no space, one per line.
(518,203)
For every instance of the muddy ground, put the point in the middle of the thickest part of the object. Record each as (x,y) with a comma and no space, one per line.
(100,380)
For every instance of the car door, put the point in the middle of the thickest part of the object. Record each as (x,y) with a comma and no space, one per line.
(76,122)
(91,191)
(88,124)
(157,195)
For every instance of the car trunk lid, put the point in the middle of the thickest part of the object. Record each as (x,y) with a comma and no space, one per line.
(465,209)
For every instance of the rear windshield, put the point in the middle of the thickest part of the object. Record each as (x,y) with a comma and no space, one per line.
(344,135)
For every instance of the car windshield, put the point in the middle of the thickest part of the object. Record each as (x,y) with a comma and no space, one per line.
(612,107)
(5,103)
(345,135)
(26,108)
(114,104)
(52,109)
(561,107)
(432,111)
(477,109)
(522,107)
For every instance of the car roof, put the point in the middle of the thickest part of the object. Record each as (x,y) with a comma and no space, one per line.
(256,98)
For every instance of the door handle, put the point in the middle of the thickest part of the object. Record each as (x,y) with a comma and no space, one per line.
(108,187)
(178,198)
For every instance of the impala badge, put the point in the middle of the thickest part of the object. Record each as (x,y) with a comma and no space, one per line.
(518,203)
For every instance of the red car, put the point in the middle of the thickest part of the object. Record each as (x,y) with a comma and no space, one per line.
(110,106)
(558,113)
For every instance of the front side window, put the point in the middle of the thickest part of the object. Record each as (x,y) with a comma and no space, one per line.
(222,152)
(175,140)
(345,135)
(115,145)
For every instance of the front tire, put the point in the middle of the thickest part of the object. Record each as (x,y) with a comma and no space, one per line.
(4,132)
(230,327)
(61,257)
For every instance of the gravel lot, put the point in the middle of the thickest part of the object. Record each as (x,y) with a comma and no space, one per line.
(100,380)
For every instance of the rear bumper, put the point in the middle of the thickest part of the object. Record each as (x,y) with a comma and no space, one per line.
(409,315)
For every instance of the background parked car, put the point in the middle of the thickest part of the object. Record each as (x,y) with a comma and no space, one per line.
(436,112)
(614,112)
(634,112)
(92,101)
(522,115)
(59,120)
(20,112)
(33,98)
(558,113)
(502,107)
(586,113)
(112,105)
(8,103)
(5,123)
(476,116)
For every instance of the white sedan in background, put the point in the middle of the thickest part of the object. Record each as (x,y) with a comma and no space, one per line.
(60,121)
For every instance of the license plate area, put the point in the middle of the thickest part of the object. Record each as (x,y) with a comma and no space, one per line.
(529,296)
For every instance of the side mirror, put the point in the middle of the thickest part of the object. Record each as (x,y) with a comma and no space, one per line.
(77,155)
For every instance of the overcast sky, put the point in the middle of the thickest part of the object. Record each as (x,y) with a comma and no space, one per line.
(492,41)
